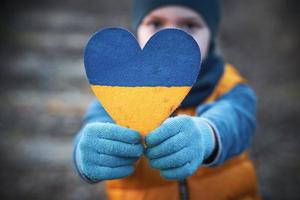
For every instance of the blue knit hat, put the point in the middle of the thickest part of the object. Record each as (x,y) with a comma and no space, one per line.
(210,10)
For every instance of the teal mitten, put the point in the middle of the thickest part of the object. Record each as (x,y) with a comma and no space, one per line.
(179,146)
(107,151)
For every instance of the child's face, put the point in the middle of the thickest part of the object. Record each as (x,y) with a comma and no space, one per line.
(175,17)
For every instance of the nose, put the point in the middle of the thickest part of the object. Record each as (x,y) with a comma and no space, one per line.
(171,25)
(175,25)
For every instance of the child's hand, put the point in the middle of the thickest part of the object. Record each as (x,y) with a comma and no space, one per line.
(179,146)
(108,151)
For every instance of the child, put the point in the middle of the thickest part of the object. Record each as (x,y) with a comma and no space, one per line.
(203,142)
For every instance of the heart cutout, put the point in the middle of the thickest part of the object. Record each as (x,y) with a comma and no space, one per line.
(140,88)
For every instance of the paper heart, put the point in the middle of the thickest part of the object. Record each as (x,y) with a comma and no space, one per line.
(140,88)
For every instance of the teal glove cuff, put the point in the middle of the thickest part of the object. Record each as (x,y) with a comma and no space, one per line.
(207,134)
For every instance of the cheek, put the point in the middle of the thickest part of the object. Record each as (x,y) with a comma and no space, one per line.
(202,37)
(143,35)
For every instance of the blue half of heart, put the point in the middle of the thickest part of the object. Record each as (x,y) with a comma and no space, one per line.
(113,57)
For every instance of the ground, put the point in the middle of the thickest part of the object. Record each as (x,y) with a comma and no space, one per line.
(44,90)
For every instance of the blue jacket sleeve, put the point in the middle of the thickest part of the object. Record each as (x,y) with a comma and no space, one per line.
(233,119)
(94,113)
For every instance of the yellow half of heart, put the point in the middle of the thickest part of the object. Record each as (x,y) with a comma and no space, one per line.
(140,108)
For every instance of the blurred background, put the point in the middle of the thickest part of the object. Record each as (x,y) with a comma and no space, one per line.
(44,90)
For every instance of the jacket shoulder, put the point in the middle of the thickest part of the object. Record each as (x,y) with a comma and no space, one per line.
(229,80)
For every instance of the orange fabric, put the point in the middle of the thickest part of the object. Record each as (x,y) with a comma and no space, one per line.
(235,179)
(230,78)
